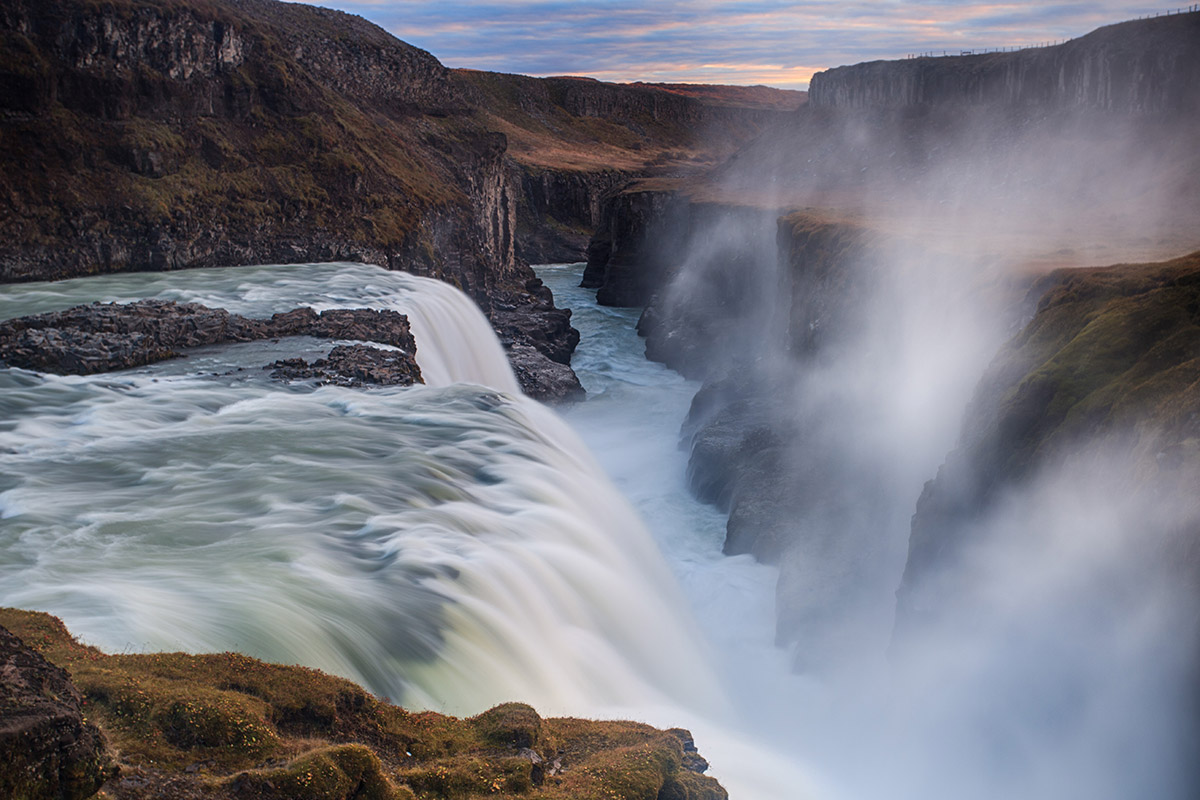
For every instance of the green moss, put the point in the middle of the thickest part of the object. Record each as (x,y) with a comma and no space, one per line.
(1109,349)
(509,725)
(234,725)
(341,772)
(470,776)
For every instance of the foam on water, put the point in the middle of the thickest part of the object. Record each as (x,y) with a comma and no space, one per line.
(451,546)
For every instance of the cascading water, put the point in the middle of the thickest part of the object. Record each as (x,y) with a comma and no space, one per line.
(455,545)
(449,546)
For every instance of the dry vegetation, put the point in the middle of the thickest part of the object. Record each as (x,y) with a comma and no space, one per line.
(225,726)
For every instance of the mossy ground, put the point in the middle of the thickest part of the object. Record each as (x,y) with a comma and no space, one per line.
(1113,349)
(227,726)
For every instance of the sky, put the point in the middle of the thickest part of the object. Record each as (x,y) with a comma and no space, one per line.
(741,42)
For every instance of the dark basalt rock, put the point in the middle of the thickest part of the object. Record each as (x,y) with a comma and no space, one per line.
(352,365)
(541,378)
(533,320)
(105,337)
(47,749)
(538,339)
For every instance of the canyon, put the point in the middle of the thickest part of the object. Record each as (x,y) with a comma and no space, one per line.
(923,307)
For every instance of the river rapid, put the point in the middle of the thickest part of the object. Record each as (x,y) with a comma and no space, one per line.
(450,546)
(457,545)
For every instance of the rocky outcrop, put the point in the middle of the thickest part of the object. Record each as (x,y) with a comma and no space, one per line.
(539,340)
(541,378)
(1137,67)
(104,337)
(229,727)
(50,751)
(353,365)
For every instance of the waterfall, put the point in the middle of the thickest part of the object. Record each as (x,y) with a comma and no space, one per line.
(449,546)
(455,343)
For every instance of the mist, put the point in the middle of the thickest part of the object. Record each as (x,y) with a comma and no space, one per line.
(843,312)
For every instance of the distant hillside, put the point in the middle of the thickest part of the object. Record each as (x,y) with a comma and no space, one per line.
(574,140)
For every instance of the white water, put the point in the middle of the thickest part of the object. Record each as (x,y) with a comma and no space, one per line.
(457,546)
(451,547)
(631,422)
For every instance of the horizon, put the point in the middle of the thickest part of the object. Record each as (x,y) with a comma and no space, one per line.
(731,42)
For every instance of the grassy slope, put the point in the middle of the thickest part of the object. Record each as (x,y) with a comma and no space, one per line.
(228,726)
(544,134)
(1109,349)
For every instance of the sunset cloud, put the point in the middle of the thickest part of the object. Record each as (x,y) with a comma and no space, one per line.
(718,41)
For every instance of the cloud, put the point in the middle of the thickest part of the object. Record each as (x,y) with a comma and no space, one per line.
(718,41)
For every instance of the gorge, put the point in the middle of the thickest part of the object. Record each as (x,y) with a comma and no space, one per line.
(933,528)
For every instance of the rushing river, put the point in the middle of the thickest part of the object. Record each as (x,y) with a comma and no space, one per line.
(450,546)
(456,545)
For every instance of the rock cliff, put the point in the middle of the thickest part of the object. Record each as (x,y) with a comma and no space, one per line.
(176,135)
(1141,66)
(49,748)
(574,141)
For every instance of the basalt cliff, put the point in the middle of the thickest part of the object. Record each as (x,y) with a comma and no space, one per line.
(155,136)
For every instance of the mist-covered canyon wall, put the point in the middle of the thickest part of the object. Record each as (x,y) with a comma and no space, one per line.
(856,270)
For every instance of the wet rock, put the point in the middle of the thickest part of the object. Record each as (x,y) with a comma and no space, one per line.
(47,749)
(692,760)
(541,378)
(101,338)
(353,365)
(533,320)
(105,337)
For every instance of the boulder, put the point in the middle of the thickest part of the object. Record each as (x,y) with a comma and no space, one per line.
(48,749)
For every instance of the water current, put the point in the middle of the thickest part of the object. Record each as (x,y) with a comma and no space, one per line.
(450,546)
(457,545)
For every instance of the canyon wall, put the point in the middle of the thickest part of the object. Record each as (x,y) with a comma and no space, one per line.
(574,141)
(1142,66)
(182,135)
